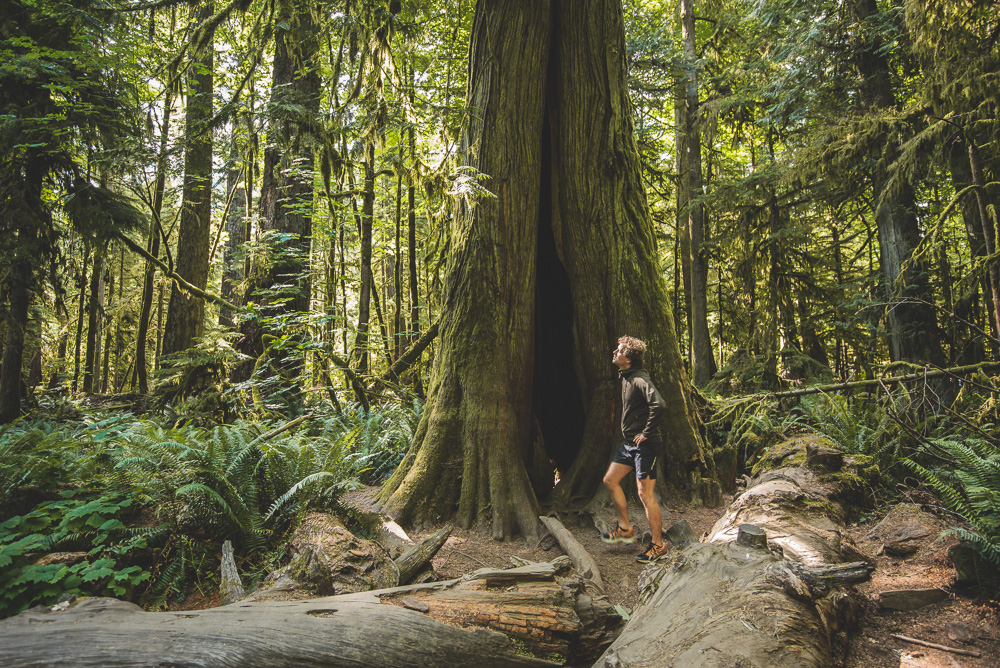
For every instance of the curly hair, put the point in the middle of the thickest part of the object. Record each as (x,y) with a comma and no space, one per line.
(634,349)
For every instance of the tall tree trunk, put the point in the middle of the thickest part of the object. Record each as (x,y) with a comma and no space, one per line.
(912,327)
(702,361)
(232,265)
(94,310)
(20,282)
(81,283)
(970,350)
(397,270)
(543,279)
(283,287)
(153,247)
(365,223)
(992,267)
(468,450)
(186,313)
(106,326)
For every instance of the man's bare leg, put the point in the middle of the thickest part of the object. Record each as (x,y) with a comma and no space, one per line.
(612,480)
(648,497)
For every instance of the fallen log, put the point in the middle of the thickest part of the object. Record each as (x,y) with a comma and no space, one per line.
(582,561)
(769,585)
(538,615)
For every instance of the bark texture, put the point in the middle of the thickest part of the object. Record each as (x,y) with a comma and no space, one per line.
(912,326)
(516,617)
(740,599)
(547,272)
(470,443)
(186,312)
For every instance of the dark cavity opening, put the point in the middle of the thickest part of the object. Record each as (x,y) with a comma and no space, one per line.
(557,396)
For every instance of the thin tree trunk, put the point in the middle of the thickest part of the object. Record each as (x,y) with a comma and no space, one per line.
(701,344)
(232,272)
(397,274)
(966,308)
(106,327)
(989,236)
(153,246)
(82,308)
(96,307)
(365,222)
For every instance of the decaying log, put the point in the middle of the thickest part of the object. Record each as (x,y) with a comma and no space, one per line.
(767,588)
(517,617)
(582,561)
(413,559)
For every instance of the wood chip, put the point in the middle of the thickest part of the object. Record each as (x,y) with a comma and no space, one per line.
(414,604)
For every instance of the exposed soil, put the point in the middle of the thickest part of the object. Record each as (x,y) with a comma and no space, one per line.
(973,623)
(962,621)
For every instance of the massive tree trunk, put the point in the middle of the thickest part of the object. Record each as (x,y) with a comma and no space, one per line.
(546,274)
(186,312)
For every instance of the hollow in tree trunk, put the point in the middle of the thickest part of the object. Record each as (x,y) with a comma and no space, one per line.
(547,272)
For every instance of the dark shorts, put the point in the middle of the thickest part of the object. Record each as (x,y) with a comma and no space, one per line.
(640,457)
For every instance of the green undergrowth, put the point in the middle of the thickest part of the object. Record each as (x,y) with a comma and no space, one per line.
(114,505)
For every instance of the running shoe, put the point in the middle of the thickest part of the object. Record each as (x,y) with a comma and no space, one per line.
(652,553)
(619,535)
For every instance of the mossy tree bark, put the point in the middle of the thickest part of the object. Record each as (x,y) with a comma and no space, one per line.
(186,312)
(280,283)
(546,274)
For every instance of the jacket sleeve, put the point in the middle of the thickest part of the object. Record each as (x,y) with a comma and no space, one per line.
(656,410)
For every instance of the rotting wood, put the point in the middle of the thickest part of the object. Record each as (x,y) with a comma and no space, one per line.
(777,602)
(934,645)
(582,561)
(414,558)
(489,618)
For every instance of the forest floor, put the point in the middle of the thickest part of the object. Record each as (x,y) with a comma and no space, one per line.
(959,621)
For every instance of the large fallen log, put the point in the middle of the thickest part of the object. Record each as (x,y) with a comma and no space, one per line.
(769,585)
(536,615)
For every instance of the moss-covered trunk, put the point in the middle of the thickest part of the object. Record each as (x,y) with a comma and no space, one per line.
(545,275)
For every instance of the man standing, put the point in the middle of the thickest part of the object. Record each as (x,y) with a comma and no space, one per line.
(642,410)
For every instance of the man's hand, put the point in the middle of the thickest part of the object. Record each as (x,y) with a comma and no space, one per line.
(639,439)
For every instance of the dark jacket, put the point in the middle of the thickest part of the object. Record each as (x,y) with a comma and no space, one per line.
(642,405)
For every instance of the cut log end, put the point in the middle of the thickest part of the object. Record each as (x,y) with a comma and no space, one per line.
(752,537)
